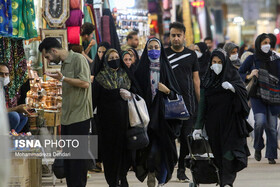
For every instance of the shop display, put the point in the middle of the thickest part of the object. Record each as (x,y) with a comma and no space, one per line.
(61,36)
(56,12)
(132,19)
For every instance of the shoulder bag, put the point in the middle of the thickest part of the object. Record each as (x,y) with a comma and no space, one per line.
(137,137)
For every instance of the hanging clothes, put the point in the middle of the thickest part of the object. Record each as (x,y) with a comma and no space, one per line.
(88,17)
(6,27)
(15,57)
(23,19)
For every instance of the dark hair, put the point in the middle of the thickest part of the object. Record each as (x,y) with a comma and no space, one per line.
(4,64)
(131,34)
(220,45)
(87,28)
(273,40)
(177,25)
(208,38)
(49,43)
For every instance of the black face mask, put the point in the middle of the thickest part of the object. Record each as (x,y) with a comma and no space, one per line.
(114,64)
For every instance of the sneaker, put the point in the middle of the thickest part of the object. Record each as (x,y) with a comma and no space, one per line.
(258,155)
(271,161)
(160,185)
(181,176)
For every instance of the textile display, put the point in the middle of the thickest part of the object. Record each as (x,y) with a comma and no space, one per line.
(89,17)
(12,52)
(23,19)
(73,35)
(6,28)
(106,29)
(75,4)
(75,19)
(187,22)
(98,22)
(115,42)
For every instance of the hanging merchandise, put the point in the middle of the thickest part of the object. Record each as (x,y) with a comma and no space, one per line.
(153,6)
(90,18)
(114,39)
(23,19)
(75,19)
(73,34)
(187,22)
(14,55)
(56,15)
(75,4)
(6,18)
(106,29)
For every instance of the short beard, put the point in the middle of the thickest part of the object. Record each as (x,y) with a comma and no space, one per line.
(177,47)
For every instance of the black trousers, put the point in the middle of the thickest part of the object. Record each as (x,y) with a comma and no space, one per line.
(184,151)
(76,169)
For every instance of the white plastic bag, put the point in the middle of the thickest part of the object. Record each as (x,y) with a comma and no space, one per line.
(134,118)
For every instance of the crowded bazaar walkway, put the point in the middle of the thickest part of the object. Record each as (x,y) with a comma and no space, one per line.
(257,174)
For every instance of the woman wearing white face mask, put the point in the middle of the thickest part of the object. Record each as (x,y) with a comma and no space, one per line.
(222,111)
(232,51)
(203,56)
(264,64)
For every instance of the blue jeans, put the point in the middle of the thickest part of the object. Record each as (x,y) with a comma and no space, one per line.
(17,121)
(268,123)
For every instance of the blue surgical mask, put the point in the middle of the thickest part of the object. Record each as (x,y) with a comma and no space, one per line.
(154,54)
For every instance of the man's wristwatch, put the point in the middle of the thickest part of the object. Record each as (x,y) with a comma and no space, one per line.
(61,80)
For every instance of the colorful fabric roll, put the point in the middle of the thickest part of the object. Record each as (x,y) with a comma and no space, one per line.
(23,19)
(6,27)
(106,29)
(75,4)
(73,35)
(75,19)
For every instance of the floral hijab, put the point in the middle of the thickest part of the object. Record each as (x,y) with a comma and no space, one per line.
(111,79)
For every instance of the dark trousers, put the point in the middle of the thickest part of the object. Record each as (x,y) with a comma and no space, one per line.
(184,150)
(76,169)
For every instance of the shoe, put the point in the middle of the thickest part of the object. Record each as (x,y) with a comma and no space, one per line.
(258,155)
(181,176)
(271,161)
(160,185)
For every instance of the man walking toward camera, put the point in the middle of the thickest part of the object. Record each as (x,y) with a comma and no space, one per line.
(76,103)
(185,66)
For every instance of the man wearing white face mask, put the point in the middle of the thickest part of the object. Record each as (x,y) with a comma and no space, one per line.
(16,118)
(232,51)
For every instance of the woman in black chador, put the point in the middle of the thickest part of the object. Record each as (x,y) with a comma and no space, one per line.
(223,110)
(111,90)
(203,57)
(157,81)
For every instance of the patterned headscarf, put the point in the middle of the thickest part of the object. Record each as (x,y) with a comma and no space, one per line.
(113,79)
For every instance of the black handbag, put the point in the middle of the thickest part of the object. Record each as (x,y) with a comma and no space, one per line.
(252,87)
(137,137)
(176,109)
(58,168)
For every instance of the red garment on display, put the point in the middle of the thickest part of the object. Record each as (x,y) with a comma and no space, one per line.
(73,35)
(75,4)
(75,19)
(106,36)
